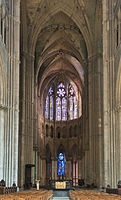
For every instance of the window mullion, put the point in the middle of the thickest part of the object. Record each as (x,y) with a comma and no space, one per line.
(49,109)
(61,108)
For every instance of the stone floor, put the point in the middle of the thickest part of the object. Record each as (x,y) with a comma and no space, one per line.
(60,195)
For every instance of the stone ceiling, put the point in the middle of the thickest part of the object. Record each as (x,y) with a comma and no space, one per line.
(61,33)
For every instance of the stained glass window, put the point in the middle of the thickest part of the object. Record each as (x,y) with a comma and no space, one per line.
(51,107)
(47,107)
(75,108)
(58,109)
(64,109)
(61,90)
(71,91)
(61,112)
(50,91)
(61,164)
(71,107)
(61,85)
(63,100)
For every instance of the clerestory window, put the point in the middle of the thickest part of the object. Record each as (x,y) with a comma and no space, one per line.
(61,103)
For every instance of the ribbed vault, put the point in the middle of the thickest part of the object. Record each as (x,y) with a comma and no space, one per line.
(60,51)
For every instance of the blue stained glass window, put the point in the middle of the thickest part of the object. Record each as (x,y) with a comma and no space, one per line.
(61,164)
(47,107)
(51,107)
(50,91)
(75,108)
(58,109)
(71,107)
(64,109)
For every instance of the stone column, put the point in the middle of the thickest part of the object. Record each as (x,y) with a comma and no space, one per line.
(43,171)
(35,162)
(68,169)
(119,174)
(79,169)
(118,144)
(11,173)
(53,169)
(109,94)
(55,172)
(2,122)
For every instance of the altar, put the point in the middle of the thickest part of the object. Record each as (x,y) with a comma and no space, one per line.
(60,185)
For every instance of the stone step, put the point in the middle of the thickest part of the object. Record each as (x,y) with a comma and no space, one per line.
(60,198)
(60,195)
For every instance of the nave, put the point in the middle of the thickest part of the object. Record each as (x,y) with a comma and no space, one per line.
(60,97)
(44,194)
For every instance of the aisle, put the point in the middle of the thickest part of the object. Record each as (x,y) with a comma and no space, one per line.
(60,198)
(60,195)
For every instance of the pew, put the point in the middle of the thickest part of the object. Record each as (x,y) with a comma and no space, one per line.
(112,190)
(91,195)
(119,191)
(6,190)
(29,195)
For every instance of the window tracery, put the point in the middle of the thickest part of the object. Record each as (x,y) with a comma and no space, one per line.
(61,102)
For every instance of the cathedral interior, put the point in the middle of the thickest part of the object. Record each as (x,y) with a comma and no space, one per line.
(60,92)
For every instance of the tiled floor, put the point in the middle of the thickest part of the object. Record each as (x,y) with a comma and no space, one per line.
(60,195)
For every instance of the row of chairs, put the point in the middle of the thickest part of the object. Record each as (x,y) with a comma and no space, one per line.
(113,190)
(91,195)
(7,190)
(29,195)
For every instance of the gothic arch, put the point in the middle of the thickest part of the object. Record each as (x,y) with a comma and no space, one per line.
(40,21)
(61,149)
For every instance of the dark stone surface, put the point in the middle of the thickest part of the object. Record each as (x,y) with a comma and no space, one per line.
(60,193)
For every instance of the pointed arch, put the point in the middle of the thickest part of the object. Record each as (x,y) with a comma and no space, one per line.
(79,21)
(61,149)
